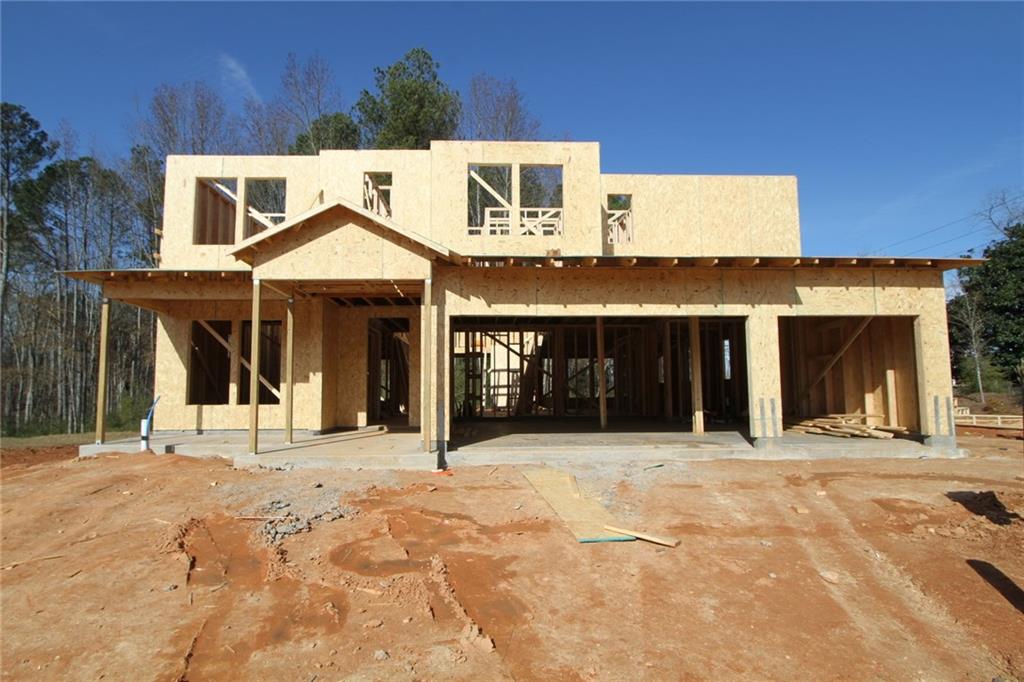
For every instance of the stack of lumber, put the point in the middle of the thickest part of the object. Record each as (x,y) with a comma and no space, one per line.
(845,426)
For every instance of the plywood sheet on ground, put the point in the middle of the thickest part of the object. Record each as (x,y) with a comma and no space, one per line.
(584,517)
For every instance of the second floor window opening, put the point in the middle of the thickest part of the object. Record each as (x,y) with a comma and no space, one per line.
(540,200)
(619,218)
(377,193)
(214,221)
(490,199)
(265,200)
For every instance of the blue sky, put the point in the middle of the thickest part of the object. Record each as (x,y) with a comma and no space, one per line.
(897,118)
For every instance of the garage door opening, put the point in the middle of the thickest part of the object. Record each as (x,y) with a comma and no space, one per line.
(859,370)
(543,375)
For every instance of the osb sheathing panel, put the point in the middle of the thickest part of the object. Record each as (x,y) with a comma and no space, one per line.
(301,173)
(172,360)
(759,295)
(346,340)
(352,248)
(183,289)
(673,214)
(581,198)
(343,171)
(709,215)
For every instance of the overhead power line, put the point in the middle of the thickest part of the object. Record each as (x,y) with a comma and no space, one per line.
(947,241)
(911,238)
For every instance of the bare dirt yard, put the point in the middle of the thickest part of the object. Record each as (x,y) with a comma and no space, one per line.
(170,568)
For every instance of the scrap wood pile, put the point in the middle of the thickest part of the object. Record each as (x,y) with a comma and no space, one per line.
(845,426)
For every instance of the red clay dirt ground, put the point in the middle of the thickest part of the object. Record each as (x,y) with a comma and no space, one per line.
(146,567)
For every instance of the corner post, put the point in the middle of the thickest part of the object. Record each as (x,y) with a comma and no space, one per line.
(289,368)
(254,369)
(602,380)
(426,370)
(101,381)
(666,366)
(696,382)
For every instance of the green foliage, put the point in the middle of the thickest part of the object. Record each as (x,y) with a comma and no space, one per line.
(999,284)
(411,106)
(992,377)
(23,145)
(127,414)
(332,131)
(991,308)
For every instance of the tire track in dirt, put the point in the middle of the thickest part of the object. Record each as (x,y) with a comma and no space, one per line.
(883,602)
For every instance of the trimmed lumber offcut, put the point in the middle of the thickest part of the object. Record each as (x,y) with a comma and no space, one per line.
(844,426)
(668,542)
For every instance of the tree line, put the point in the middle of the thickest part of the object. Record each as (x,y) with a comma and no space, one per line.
(64,208)
(986,309)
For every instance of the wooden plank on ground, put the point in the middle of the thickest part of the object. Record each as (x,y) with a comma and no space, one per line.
(584,517)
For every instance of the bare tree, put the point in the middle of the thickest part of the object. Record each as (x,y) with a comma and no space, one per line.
(496,110)
(267,127)
(308,93)
(965,312)
(190,118)
(1004,210)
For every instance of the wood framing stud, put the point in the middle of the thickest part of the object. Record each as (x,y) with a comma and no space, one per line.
(602,380)
(254,377)
(696,384)
(101,382)
(666,363)
(289,369)
(839,353)
(427,369)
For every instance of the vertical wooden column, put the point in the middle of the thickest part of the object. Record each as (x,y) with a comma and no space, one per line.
(602,379)
(696,384)
(254,369)
(429,380)
(101,379)
(891,408)
(666,362)
(289,369)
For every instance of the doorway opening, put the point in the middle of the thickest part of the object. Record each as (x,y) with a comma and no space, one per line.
(388,371)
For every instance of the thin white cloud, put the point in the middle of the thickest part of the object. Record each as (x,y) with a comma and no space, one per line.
(235,77)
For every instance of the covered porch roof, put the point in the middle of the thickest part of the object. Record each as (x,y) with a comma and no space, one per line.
(246,250)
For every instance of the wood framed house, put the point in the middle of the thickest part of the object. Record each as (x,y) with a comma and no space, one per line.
(516,281)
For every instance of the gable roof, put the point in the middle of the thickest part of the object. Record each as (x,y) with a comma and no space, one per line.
(246,250)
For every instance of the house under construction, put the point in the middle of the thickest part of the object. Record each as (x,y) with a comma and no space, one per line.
(512,283)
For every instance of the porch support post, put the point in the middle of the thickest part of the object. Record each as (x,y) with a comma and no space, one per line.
(427,372)
(666,365)
(254,370)
(289,368)
(696,384)
(101,380)
(602,380)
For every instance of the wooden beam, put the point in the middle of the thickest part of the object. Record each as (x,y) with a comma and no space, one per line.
(289,367)
(667,262)
(839,353)
(254,381)
(589,262)
(666,365)
(891,406)
(490,190)
(696,383)
(427,378)
(245,363)
(602,380)
(101,380)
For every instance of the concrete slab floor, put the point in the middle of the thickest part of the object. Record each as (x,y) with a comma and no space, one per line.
(375,448)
